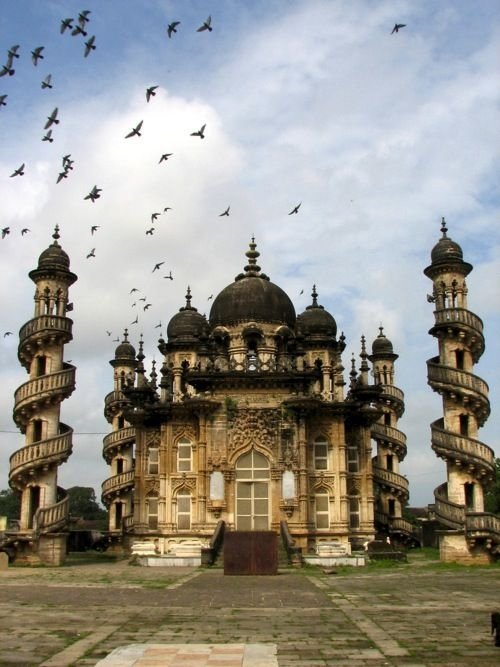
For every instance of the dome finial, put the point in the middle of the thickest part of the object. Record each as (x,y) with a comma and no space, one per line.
(55,235)
(314,295)
(444,228)
(252,268)
(125,336)
(188,297)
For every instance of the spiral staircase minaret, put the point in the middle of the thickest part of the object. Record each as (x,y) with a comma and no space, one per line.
(471,534)
(118,445)
(48,442)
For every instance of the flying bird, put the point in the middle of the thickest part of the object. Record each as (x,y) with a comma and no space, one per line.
(206,25)
(19,171)
(7,69)
(397,27)
(93,229)
(200,133)
(150,92)
(148,305)
(116,340)
(5,231)
(226,212)
(154,216)
(94,194)
(3,103)
(108,332)
(89,46)
(7,333)
(170,276)
(52,119)
(47,82)
(172,27)
(79,30)
(136,320)
(295,209)
(150,231)
(210,297)
(165,157)
(48,136)
(13,53)
(143,298)
(65,25)
(36,55)
(134,289)
(67,163)
(157,266)
(91,253)
(24,231)
(167,208)
(83,16)
(62,174)
(135,132)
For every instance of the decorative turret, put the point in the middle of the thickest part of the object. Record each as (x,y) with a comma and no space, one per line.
(48,442)
(118,446)
(391,488)
(470,463)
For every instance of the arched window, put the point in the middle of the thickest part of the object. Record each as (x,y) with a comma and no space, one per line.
(354,512)
(352,459)
(152,511)
(322,510)
(183,510)
(184,455)
(252,491)
(153,461)
(320,454)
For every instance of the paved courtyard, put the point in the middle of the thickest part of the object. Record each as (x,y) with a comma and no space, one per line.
(411,615)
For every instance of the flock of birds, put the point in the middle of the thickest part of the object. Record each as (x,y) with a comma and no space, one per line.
(79,27)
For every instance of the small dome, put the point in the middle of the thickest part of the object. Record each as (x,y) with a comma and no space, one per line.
(125,350)
(445,249)
(252,297)
(382,345)
(315,320)
(187,325)
(54,256)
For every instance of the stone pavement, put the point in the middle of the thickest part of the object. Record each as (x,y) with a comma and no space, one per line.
(408,615)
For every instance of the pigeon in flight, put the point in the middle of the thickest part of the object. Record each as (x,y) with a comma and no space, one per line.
(157,266)
(397,27)
(172,27)
(134,289)
(91,253)
(154,216)
(62,174)
(226,212)
(170,276)
(79,30)
(36,55)
(7,333)
(143,298)
(206,25)
(89,46)
(150,231)
(295,209)
(83,16)
(167,208)
(66,24)
(165,157)
(158,326)
(108,332)
(200,133)
(18,172)
(135,131)
(7,69)
(146,306)
(13,53)
(136,320)
(67,162)
(48,136)
(51,119)
(5,231)
(47,82)
(3,103)
(94,194)
(210,297)
(93,229)
(150,92)
(24,231)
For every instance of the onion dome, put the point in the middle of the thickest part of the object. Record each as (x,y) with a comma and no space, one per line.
(187,325)
(447,254)
(53,260)
(252,297)
(125,351)
(382,347)
(315,320)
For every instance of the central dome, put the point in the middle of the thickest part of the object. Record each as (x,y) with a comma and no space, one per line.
(252,298)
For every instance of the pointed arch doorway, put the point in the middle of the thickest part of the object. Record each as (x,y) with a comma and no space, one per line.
(252,492)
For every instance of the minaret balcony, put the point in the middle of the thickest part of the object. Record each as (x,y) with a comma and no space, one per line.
(457,383)
(451,515)
(41,454)
(52,518)
(462,450)
(113,403)
(40,330)
(391,481)
(118,483)
(393,396)
(464,323)
(395,438)
(51,388)
(117,441)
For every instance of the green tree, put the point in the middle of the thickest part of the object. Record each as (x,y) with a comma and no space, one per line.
(492,497)
(10,504)
(83,503)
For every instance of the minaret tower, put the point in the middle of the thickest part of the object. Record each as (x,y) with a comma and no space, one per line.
(48,442)
(459,502)
(118,446)
(391,488)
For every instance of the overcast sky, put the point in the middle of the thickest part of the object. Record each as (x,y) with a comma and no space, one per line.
(378,135)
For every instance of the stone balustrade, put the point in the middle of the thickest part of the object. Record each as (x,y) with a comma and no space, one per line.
(52,450)
(50,519)
(123,437)
(398,483)
(53,385)
(118,482)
